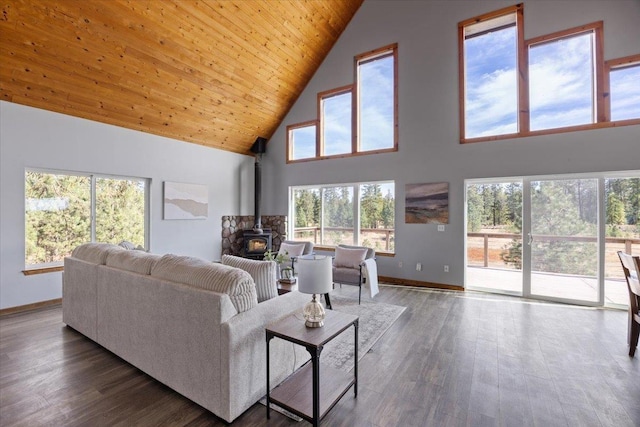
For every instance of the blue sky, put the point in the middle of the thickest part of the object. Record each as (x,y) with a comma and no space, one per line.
(625,93)
(376,104)
(304,142)
(376,85)
(337,124)
(560,84)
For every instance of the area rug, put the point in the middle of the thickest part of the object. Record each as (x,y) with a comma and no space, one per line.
(375,318)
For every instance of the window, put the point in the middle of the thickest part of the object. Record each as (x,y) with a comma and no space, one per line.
(490,75)
(337,216)
(301,141)
(335,120)
(64,210)
(624,90)
(562,84)
(353,119)
(352,214)
(553,83)
(376,77)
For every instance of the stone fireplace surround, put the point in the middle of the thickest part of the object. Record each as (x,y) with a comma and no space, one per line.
(234,225)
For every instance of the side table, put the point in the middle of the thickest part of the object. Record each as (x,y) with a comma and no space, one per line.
(326,389)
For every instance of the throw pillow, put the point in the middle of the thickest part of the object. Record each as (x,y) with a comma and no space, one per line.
(264,274)
(291,249)
(349,257)
(127,245)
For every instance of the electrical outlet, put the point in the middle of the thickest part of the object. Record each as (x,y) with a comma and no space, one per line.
(419,266)
(399,264)
(441,228)
(446,268)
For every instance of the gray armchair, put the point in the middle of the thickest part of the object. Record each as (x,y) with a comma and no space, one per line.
(308,250)
(352,275)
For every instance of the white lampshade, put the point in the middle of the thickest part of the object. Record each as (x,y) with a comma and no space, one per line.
(314,274)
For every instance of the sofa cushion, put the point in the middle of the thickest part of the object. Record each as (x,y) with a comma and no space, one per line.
(131,260)
(264,274)
(349,257)
(216,277)
(346,275)
(95,253)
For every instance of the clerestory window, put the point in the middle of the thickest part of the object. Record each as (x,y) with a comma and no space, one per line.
(511,87)
(361,118)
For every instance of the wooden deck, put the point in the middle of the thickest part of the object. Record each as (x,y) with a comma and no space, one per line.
(562,286)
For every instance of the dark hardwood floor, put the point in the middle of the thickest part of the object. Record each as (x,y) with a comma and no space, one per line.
(452,359)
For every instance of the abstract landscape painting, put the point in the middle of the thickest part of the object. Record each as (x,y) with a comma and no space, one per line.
(427,203)
(185,201)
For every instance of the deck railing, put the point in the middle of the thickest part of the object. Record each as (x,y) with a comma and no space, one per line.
(627,241)
(314,232)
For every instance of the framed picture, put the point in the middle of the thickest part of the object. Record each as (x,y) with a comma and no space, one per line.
(185,201)
(427,203)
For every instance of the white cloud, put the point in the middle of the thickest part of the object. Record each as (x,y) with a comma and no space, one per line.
(560,93)
(625,93)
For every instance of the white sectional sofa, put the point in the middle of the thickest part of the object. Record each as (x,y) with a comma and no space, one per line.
(193,325)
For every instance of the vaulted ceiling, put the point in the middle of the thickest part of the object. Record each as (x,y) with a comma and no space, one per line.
(216,73)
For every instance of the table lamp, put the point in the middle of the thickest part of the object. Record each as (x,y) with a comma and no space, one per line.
(314,277)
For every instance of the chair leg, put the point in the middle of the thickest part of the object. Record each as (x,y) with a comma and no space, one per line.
(359,293)
(327,301)
(633,337)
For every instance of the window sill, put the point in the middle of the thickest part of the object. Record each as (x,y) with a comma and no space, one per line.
(601,125)
(42,270)
(333,248)
(345,155)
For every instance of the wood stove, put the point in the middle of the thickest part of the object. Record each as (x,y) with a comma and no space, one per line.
(256,244)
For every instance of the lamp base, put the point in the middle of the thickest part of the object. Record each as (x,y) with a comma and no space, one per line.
(313,313)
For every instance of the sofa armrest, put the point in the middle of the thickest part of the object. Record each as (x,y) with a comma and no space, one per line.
(243,350)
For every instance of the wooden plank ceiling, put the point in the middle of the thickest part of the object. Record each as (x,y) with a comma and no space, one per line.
(216,73)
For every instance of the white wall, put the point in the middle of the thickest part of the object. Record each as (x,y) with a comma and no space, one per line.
(429,148)
(31,137)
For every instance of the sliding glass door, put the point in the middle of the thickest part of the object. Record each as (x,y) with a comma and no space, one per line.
(563,240)
(622,233)
(553,238)
(494,236)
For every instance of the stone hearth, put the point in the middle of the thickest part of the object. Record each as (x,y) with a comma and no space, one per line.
(233,226)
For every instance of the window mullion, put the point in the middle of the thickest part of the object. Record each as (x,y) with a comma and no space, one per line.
(93,208)
(322,215)
(522,66)
(356,214)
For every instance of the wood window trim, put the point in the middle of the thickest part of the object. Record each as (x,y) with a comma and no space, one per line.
(320,134)
(42,270)
(577,128)
(333,249)
(521,66)
(289,143)
(363,58)
(613,64)
(390,50)
(491,15)
(598,61)
(602,69)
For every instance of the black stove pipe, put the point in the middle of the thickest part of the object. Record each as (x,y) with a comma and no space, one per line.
(258,147)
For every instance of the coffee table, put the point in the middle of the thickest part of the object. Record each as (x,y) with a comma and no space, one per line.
(314,389)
